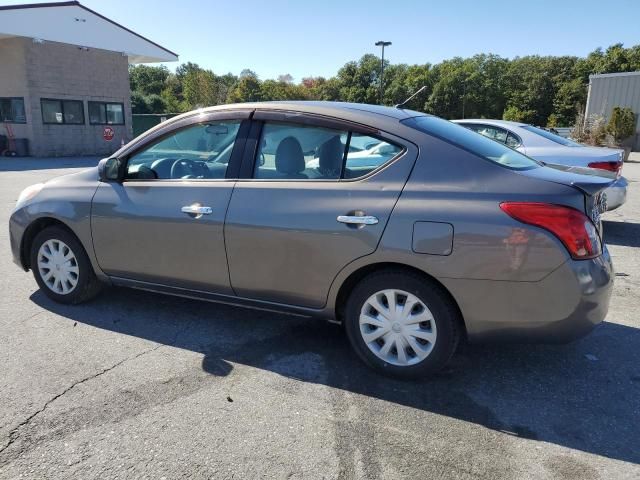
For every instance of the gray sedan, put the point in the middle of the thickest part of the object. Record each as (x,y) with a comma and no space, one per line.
(447,235)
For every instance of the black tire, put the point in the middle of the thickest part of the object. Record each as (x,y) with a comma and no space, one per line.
(87,287)
(445,314)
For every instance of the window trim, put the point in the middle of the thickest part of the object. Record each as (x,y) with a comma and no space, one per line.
(104,104)
(250,156)
(62,101)
(233,167)
(24,108)
(497,127)
(517,137)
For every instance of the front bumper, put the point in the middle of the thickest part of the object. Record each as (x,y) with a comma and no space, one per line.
(18,223)
(564,306)
(617,194)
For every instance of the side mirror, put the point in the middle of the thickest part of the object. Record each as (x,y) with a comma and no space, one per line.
(109,170)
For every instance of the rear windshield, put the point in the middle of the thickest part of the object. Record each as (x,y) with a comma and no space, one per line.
(551,136)
(472,142)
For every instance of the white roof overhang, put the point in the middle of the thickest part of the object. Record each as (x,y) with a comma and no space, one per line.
(75,24)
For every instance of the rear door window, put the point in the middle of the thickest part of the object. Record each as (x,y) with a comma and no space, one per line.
(300,152)
(289,151)
(366,154)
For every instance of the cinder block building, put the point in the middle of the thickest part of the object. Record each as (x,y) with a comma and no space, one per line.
(64,81)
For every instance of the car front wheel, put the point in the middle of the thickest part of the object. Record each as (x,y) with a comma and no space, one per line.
(402,324)
(61,266)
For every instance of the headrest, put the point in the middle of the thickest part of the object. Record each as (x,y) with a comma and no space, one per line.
(330,157)
(289,156)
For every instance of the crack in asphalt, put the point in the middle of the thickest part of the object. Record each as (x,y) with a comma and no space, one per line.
(14,434)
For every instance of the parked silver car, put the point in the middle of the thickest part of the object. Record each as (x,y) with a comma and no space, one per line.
(548,147)
(446,235)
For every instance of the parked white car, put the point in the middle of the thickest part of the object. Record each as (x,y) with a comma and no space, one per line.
(550,148)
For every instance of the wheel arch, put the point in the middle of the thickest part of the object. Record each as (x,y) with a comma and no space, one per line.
(366,270)
(32,230)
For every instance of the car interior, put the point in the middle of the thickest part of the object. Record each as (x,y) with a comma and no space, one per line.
(301,152)
(200,151)
(286,151)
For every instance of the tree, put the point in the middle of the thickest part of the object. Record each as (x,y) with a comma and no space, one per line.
(246,90)
(247,73)
(286,78)
(146,79)
(359,81)
(569,101)
(200,88)
(534,89)
(622,124)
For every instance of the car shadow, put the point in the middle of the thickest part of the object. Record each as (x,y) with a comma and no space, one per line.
(626,234)
(583,396)
(20,164)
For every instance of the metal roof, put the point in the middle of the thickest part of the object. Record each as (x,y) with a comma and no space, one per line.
(619,74)
(75,24)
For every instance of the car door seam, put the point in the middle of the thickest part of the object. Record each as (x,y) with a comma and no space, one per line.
(224,236)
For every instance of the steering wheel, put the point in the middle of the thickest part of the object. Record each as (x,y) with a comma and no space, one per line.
(184,167)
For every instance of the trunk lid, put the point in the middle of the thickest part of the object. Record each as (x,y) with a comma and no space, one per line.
(588,180)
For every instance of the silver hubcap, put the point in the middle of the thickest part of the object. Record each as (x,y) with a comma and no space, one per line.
(58,266)
(397,327)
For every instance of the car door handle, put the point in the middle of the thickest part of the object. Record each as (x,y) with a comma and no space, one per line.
(196,209)
(358,219)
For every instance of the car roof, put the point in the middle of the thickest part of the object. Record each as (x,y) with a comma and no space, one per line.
(488,121)
(311,106)
(377,116)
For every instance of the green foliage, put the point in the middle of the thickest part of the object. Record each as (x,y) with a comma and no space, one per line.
(147,80)
(514,114)
(622,123)
(147,103)
(246,90)
(533,89)
(553,121)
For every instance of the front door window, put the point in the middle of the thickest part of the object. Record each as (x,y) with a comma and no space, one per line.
(197,152)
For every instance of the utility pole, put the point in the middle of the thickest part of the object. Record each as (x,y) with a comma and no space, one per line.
(382,44)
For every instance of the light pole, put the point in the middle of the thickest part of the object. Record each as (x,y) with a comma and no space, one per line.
(382,44)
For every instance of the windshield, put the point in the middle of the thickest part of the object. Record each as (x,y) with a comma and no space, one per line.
(551,136)
(472,142)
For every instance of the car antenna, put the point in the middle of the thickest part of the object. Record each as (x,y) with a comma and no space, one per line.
(400,105)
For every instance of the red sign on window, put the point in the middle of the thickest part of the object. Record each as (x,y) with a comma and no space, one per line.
(108,133)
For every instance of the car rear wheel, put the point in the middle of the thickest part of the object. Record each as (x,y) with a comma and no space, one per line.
(61,267)
(402,324)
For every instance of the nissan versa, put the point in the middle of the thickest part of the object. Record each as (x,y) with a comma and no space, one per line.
(408,229)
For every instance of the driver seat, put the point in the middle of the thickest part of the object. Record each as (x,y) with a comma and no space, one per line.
(162,167)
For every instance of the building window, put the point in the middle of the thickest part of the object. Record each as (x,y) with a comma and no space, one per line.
(62,111)
(12,110)
(106,113)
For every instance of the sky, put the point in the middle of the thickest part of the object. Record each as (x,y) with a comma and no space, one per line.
(315,38)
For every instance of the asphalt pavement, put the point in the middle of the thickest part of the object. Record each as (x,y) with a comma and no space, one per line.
(140,385)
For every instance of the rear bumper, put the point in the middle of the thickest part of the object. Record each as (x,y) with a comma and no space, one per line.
(617,194)
(564,306)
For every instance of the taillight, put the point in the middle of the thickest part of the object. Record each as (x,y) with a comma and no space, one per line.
(609,166)
(572,227)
